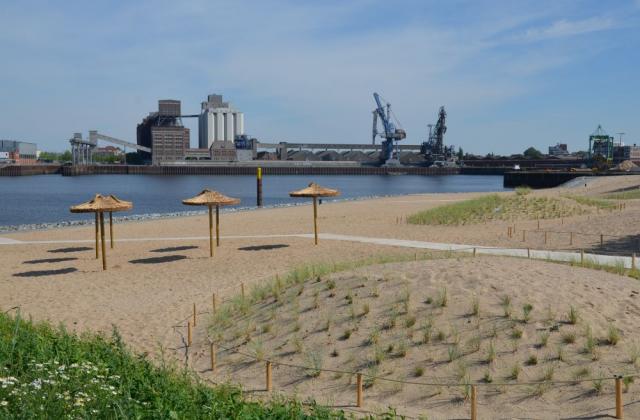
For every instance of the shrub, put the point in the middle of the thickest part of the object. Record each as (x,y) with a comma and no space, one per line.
(442,299)
(418,371)
(569,337)
(634,354)
(475,306)
(491,353)
(544,339)
(365,309)
(314,362)
(532,360)
(526,312)
(487,377)
(515,372)
(573,315)
(547,375)
(516,334)
(598,385)
(410,321)
(613,335)
(453,352)
(346,334)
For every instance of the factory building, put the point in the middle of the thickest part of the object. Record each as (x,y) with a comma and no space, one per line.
(218,121)
(164,134)
(19,152)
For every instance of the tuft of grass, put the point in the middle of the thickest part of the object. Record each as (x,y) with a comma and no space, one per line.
(365,309)
(475,306)
(442,298)
(627,381)
(598,385)
(474,344)
(634,354)
(543,339)
(314,362)
(441,335)
(401,350)
(581,373)
(573,315)
(410,321)
(418,371)
(590,343)
(379,354)
(346,334)
(524,190)
(560,355)
(613,335)
(569,337)
(547,374)
(298,345)
(487,377)
(526,312)
(490,357)
(453,352)
(516,334)
(624,195)
(515,372)
(592,202)
(532,360)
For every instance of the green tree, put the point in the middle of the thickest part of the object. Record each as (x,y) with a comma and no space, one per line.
(532,153)
(460,153)
(66,156)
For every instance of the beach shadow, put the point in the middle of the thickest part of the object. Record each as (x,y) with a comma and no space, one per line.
(49,260)
(623,246)
(159,260)
(174,248)
(262,247)
(42,273)
(72,249)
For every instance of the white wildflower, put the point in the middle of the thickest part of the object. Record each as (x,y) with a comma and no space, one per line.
(4,403)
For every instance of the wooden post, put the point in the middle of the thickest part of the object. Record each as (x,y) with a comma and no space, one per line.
(97,236)
(194,314)
(474,403)
(619,413)
(508,231)
(545,237)
(189,333)
(538,223)
(210,232)
(217,226)
(415,256)
(315,218)
(212,348)
(524,238)
(601,239)
(268,376)
(259,187)
(359,390)
(528,252)
(213,303)
(104,255)
(562,220)
(474,252)
(633,261)
(111,228)
(242,290)
(581,256)
(570,238)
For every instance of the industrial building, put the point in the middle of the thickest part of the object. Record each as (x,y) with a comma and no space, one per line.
(164,134)
(218,121)
(19,152)
(560,149)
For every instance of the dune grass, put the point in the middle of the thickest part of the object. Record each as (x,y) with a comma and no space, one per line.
(592,202)
(51,373)
(498,207)
(624,195)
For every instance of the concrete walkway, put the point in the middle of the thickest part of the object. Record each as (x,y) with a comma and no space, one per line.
(436,246)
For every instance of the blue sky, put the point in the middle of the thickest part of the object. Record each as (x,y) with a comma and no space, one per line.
(510,73)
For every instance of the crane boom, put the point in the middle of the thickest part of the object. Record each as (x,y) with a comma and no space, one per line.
(390,133)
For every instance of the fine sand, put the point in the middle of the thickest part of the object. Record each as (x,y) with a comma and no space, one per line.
(151,285)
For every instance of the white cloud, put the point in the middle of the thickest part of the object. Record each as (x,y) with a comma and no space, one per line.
(566,28)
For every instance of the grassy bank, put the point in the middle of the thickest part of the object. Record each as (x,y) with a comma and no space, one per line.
(624,195)
(50,373)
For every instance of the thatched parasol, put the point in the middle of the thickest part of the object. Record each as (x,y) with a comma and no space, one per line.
(314,190)
(212,199)
(98,205)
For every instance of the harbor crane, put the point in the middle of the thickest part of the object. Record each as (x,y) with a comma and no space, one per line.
(390,133)
(434,147)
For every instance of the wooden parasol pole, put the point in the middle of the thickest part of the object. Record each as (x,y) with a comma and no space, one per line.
(315,218)
(210,232)
(111,228)
(97,234)
(104,255)
(217,225)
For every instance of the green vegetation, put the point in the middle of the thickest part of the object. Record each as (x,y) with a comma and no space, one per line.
(592,202)
(497,207)
(624,195)
(50,373)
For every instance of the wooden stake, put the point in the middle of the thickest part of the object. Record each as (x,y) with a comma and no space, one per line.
(570,238)
(194,314)
(213,303)
(97,236)
(562,220)
(538,223)
(189,334)
(104,255)
(242,290)
(474,252)
(581,256)
(111,228)
(633,261)
(545,237)
(601,239)
(212,348)
(217,226)
(524,239)
(359,390)
(210,232)
(619,413)
(415,256)
(315,219)
(268,376)
(508,231)
(528,252)
(474,403)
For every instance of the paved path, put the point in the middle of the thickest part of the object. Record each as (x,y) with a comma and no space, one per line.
(438,246)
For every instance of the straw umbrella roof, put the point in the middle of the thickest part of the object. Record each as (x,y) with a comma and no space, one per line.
(315,190)
(210,198)
(102,203)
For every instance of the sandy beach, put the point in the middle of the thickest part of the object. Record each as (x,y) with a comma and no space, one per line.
(160,268)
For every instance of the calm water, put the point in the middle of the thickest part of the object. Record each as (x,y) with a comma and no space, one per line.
(46,198)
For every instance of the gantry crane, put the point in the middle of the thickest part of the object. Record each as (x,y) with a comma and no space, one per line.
(390,133)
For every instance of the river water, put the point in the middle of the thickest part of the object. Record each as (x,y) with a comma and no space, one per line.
(46,198)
